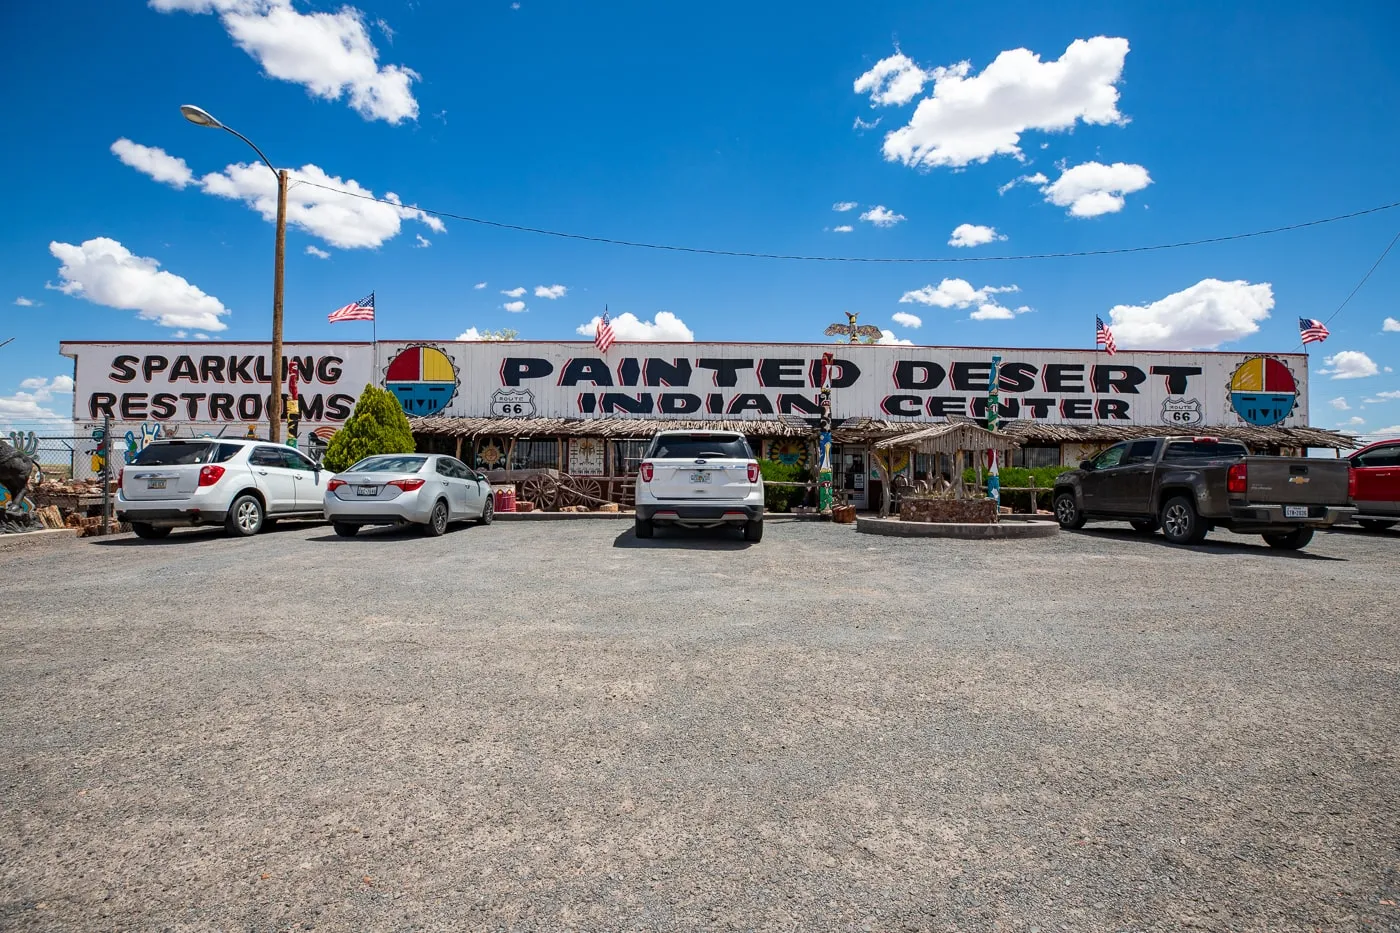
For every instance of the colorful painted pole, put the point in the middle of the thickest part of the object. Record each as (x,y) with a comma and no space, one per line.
(824,496)
(993,416)
(293,405)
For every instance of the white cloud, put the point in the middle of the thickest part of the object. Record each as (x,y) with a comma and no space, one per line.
(515,5)
(843,206)
(887,338)
(1201,317)
(479,285)
(892,81)
(996,312)
(551,291)
(153,162)
(106,273)
(46,389)
(180,334)
(514,307)
(1386,395)
(348,220)
(330,54)
(471,333)
(974,235)
(1390,325)
(1349,364)
(955,293)
(201,336)
(318,253)
(844,228)
(514,292)
(1384,433)
(666,328)
(1093,188)
(1354,422)
(864,125)
(905,319)
(971,118)
(881,216)
(423,242)
(24,302)
(1037,179)
(30,403)
(1340,403)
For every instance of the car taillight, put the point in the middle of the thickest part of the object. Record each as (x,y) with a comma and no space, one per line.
(1351,482)
(121,476)
(407,485)
(210,475)
(645,472)
(1238,478)
(335,484)
(753,472)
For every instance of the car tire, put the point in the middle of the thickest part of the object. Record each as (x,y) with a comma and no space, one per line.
(1067,512)
(753,530)
(1180,523)
(1146,526)
(1289,540)
(488,512)
(151,532)
(1374,524)
(437,520)
(345,529)
(245,516)
(643,528)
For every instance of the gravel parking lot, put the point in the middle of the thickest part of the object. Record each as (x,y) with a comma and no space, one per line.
(546,726)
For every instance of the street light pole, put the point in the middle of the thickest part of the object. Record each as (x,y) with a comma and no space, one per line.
(201,117)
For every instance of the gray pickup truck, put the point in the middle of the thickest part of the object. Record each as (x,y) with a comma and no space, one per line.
(1188,485)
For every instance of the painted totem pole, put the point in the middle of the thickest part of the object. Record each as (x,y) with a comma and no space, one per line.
(824,497)
(993,417)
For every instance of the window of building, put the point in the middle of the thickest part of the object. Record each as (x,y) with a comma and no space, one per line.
(626,455)
(1036,455)
(435,444)
(535,453)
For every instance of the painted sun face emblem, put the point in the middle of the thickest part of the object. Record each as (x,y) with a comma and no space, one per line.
(423,378)
(1263,391)
(491,455)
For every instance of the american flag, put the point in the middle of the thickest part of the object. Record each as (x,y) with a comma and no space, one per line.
(1103,337)
(362,310)
(604,337)
(1312,331)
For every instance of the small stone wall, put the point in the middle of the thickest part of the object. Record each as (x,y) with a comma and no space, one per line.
(962,511)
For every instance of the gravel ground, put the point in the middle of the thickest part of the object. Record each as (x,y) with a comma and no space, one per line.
(544,726)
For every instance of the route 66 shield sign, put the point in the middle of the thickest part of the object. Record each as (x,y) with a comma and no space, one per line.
(1183,411)
(513,403)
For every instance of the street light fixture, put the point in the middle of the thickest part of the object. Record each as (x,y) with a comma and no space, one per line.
(201,117)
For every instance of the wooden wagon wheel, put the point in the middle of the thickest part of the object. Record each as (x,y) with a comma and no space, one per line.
(541,489)
(589,491)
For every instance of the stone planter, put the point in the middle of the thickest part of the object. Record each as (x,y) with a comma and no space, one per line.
(961,511)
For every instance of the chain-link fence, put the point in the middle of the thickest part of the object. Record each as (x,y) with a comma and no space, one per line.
(73,483)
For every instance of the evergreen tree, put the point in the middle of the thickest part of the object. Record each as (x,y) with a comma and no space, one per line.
(377,426)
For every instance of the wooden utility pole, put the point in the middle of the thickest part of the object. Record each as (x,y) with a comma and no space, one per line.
(274,402)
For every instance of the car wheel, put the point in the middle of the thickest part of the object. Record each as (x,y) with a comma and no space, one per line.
(1290,540)
(1180,523)
(245,516)
(345,529)
(1067,512)
(488,512)
(643,528)
(1145,526)
(437,520)
(1374,524)
(153,532)
(753,531)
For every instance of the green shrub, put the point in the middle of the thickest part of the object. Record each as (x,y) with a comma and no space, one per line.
(780,498)
(377,426)
(1021,476)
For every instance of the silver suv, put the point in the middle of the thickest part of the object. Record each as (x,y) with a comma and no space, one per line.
(241,484)
(700,479)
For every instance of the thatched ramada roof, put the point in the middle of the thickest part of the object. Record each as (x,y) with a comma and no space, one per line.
(861,430)
(950,437)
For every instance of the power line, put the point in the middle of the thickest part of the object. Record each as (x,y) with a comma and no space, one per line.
(1373,268)
(611,241)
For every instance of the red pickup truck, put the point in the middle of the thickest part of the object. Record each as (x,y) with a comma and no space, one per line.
(1375,485)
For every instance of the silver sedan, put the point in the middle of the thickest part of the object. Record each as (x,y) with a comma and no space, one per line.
(431,490)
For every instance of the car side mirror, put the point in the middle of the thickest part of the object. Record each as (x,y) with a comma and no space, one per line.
(1086,464)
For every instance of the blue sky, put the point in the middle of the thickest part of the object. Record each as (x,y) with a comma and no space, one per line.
(730,126)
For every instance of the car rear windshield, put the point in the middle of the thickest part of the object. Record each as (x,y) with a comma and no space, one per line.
(1202,450)
(389,464)
(179,453)
(694,446)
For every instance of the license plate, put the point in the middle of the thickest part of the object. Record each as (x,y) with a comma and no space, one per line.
(366,490)
(1295,511)
(155,484)
(699,477)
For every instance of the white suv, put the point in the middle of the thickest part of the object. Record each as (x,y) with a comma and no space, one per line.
(700,479)
(240,484)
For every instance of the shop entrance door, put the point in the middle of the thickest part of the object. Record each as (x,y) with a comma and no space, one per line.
(853,474)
